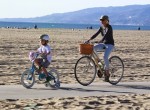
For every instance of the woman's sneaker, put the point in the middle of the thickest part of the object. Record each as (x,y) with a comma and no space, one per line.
(107,75)
(107,78)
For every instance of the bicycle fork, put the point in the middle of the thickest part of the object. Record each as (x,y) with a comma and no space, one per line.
(52,77)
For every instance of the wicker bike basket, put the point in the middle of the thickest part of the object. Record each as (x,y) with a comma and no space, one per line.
(86,49)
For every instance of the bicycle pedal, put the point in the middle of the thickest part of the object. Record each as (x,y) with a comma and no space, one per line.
(99,74)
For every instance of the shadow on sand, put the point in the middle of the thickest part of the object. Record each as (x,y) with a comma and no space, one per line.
(134,86)
(80,89)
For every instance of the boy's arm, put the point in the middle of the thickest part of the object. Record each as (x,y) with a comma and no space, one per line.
(47,52)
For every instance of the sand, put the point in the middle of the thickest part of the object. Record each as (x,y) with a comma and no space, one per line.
(122,102)
(15,44)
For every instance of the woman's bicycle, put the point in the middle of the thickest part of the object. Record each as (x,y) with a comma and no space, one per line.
(28,77)
(90,64)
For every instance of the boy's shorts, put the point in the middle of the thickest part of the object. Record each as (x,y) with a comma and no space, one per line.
(44,63)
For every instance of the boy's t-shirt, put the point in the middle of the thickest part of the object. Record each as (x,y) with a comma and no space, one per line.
(46,49)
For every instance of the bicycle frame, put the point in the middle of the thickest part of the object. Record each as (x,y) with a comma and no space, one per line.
(32,68)
(97,60)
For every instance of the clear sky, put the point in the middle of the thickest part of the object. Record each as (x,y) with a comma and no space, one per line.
(34,8)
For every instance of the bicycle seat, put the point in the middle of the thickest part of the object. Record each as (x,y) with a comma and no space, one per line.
(100,50)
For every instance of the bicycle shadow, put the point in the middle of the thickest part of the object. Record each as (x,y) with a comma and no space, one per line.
(133,86)
(87,90)
(94,90)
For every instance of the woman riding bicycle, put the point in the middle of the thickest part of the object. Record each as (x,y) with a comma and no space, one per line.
(107,43)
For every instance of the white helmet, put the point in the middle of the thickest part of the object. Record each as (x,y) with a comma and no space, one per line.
(45,37)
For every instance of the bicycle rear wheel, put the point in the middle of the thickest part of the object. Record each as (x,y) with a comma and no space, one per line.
(27,79)
(85,70)
(116,70)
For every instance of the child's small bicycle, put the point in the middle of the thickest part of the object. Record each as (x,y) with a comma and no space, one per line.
(28,77)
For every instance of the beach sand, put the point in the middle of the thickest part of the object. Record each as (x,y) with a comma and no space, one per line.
(122,102)
(132,46)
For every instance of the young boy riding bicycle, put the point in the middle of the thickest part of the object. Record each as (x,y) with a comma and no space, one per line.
(45,52)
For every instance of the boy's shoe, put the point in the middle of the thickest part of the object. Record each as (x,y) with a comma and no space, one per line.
(48,79)
(42,76)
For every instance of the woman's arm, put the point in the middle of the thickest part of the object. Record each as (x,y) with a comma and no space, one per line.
(96,34)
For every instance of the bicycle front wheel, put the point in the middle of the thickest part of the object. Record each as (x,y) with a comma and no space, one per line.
(116,70)
(27,79)
(85,70)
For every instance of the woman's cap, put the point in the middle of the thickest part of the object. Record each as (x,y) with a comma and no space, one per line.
(104,17)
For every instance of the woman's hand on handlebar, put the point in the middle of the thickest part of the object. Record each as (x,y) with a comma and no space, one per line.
(87,42)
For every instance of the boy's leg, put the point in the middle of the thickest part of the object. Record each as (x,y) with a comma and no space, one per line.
(48,78)
(45,71)
(38,62)
(44,65)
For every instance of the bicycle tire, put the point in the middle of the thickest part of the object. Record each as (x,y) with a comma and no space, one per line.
(85,75)
(27,79)
(116,70)
(54,83)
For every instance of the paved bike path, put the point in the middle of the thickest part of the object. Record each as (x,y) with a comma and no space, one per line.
(71,90)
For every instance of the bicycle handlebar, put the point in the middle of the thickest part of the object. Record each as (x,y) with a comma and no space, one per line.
(95,42)
(37,54)
(89,42)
